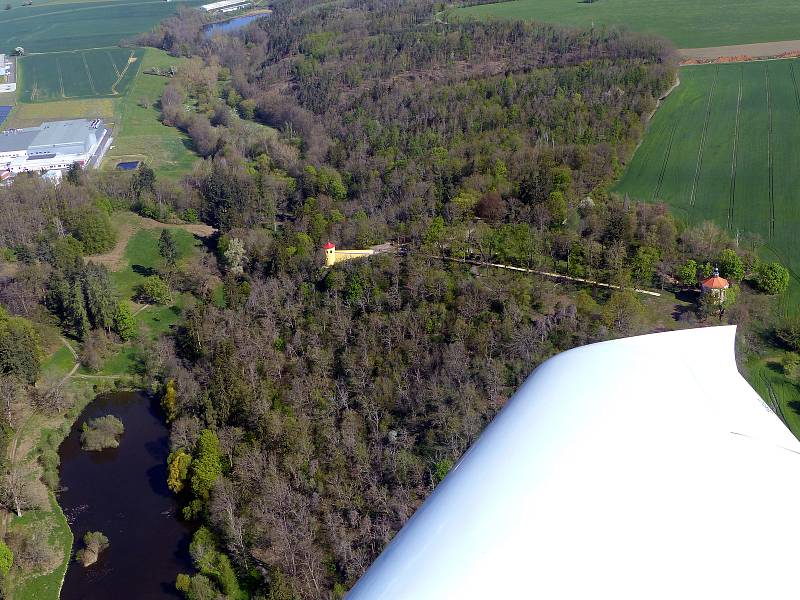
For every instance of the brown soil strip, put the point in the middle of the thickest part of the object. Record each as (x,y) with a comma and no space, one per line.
(741,53)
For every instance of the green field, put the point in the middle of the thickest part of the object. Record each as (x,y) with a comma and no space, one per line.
(54,25)
(689,24)
(723,147)
(104,72)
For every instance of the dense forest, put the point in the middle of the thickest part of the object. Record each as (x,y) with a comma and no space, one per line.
(314,409)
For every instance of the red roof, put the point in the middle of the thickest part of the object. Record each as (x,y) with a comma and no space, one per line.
(715,282)
(329,245)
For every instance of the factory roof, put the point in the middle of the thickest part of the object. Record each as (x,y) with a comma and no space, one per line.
(17,139)
(58,133)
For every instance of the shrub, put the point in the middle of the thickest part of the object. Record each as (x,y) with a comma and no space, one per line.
(154,290)
(101,433)
(124,324)
(772,278)
(730,265)
(6,558)
(92,226)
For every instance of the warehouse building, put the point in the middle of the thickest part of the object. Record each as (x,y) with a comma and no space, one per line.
(225,6)
(53,145)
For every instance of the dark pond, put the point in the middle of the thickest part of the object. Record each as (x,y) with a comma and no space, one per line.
(123,493)
(128,166)
(230,24)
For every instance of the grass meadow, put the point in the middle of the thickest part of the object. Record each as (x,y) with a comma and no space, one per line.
(723,147)
(140,135)
(687,23)
(56,25)
(104,72)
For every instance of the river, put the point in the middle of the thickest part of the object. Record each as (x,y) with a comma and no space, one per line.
(231,24)
(123,493)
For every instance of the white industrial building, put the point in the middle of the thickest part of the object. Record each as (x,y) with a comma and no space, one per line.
(7,77)
(54,145)
(225,6)
(638,468)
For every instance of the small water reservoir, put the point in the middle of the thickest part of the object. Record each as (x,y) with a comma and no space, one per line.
(231,24)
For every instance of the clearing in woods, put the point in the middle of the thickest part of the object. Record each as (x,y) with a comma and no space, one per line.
(723,147)
(688,23)
(97,73)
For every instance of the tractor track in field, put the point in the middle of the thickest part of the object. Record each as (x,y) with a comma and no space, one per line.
(663,169)
(732,198)
(88,73)
(770,186)
(699,166)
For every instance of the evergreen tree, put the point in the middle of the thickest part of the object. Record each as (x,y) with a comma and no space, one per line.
(167,248)
(76,311)
(101,297)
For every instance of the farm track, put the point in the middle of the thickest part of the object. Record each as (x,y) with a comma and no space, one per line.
(113,64)
(771,187)
(660,181)
(114,85)
(61,79)
(732,198)
(88,73)
(699,165)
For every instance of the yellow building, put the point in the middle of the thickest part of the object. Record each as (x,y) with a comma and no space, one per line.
(333,256)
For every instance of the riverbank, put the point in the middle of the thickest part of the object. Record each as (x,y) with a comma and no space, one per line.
(37,436)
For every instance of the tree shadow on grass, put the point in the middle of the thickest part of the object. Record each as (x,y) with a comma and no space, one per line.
(142,270)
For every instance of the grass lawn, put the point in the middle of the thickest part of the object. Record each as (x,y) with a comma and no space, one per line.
(767,378)
(58,363)
(29,115)
(688,24)
(140,134)
(142,258)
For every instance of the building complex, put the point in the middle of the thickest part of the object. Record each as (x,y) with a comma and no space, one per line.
(225,6)
(54,145)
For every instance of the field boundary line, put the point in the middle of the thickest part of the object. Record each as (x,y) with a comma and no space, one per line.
(732,199)
(699,165)
(88,73)
(770,180)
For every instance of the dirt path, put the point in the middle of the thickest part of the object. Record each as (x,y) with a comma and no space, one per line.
(591,282)
(115,259)
(743,52)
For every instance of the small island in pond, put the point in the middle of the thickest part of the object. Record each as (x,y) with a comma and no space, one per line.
(101,433)
(94,543)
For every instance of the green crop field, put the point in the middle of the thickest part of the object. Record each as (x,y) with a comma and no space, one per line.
(688,23)
(54,25)
(80,74)
(723,147)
